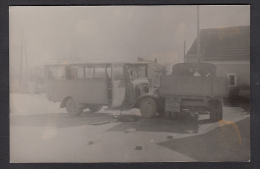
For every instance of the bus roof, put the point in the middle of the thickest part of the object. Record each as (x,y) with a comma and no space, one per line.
(96,63)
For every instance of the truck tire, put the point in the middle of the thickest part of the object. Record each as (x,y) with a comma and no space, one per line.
(219,110)
(148,107)
(216,110)
(94,107)
(174,115)
(167,114)
(72,107)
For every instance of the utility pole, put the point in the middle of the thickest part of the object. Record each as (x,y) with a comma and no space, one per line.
(184,51)
(21,65)
(27,72)
(24,74)
(198,34)
(25,52)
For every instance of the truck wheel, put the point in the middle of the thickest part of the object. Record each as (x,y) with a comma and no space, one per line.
(216,110)
(174,115)
(219,110)
(167,114)
(72,107)
(94,107)
(148,107)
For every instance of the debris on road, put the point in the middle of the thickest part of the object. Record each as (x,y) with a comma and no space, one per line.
(138,148)
(91,142)
(130,130)
(125,118)
(101,122)
(169,137)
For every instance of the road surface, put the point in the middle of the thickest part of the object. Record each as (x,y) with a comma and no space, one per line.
(42,132)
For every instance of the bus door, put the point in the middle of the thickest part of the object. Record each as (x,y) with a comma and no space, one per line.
(118,86)
(94,87)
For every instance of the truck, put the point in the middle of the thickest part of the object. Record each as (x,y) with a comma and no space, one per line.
(191,87)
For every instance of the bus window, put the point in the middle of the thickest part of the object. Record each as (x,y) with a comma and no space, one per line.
(100,72)
(57,72)
(77,72)
(118,72)
(89,72)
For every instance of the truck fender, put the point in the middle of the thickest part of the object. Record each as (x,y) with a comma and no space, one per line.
(216,99)
(151,95)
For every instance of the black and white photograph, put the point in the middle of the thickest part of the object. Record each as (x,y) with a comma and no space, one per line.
(144,83)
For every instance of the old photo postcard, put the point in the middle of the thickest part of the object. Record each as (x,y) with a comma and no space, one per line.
(165,83)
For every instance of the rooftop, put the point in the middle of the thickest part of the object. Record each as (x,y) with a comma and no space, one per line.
(223,43)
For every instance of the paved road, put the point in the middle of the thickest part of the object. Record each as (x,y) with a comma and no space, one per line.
(41,132)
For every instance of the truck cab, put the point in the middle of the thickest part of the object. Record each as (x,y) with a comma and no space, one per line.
(192,87)
(129,83)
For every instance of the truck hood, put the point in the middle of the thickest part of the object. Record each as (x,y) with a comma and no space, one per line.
(138,81)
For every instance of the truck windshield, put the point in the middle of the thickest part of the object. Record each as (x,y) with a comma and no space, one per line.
(204,69)
(138,71)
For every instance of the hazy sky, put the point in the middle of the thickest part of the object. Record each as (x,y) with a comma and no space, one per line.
(113,33)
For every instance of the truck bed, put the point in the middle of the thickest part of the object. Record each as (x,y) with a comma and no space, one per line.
(184,85)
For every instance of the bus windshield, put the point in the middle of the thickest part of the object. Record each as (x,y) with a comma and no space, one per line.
(137,71)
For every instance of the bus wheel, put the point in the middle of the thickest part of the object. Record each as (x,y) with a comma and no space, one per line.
(148,107)
(72,107)
(216,110)
(94,107)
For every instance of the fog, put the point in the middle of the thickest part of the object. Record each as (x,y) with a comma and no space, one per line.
(111,33)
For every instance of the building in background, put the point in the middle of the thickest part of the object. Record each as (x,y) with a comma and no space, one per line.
(229,49)
(29,81)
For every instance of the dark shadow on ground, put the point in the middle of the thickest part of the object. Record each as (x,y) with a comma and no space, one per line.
(238,102)
(206,121)
(60,120)
(229,142)
(159,125)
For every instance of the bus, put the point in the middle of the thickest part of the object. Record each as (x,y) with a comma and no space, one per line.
(78,86)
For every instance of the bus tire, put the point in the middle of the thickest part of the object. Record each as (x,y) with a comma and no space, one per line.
(72,107)
(148,107)
(94,107)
